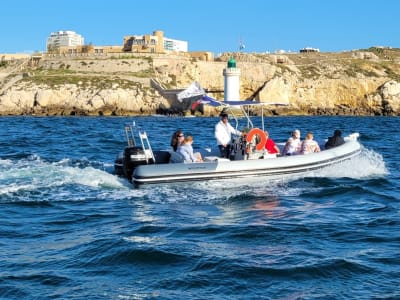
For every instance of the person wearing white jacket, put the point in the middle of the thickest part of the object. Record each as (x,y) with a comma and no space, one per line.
(223,134)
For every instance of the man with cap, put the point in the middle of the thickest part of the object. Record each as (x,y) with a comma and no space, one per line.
(223,132)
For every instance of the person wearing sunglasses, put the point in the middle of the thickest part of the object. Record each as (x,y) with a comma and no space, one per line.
(177,139)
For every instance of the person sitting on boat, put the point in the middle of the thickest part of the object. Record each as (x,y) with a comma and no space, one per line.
(186,150)
(293,144)
(177,139)
(223,134)
(335,140)
(270,145)
(309,145)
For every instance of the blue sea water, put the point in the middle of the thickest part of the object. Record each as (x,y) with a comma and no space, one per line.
(71,229)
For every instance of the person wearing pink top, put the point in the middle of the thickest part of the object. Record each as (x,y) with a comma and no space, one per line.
(309,145)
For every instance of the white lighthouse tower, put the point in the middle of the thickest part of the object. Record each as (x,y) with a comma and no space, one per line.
(231,81)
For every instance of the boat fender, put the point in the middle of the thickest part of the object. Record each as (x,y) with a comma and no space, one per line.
(261,134)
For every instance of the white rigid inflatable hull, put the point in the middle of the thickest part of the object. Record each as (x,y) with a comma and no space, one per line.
(223,169)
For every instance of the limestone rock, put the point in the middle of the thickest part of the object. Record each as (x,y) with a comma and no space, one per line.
(358,82)
(390,94)
(365,55)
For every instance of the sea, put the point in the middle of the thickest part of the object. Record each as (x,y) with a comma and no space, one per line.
(72,229)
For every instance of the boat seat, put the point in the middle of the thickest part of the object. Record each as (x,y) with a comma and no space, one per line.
(269,155)
(176,157)
(215,158)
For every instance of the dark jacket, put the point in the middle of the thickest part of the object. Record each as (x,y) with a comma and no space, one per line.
(334,141)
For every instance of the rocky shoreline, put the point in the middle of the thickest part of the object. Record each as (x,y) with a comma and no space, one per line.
(353,83)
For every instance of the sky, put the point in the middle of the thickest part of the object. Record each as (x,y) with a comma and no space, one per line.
(207,25)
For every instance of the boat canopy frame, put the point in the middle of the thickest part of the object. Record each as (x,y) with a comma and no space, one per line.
(197,93)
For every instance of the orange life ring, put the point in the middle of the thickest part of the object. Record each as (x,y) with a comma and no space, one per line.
(261,134)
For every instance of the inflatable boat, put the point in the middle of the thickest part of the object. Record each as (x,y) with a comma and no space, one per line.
(141,165)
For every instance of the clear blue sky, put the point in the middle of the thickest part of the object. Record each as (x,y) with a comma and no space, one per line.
(207,25)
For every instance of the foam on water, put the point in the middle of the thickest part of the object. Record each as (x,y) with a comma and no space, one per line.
(366,165)
(33,173)
(71,229)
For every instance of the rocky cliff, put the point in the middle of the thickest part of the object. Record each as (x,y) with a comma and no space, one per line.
(358,82)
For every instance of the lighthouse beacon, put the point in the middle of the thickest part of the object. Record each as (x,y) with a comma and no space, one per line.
(231,81)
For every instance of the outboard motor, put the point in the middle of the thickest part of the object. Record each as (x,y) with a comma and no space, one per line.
(133,157)
(238,149)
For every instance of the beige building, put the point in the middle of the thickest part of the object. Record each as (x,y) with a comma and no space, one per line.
(89,49)
(144,43)
(202,55)
(155,43)
(14,56)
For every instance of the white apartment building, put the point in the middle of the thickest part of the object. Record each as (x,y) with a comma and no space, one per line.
(64,38)
(175,45)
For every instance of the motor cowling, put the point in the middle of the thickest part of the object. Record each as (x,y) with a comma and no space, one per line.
(238,149)
(133,157)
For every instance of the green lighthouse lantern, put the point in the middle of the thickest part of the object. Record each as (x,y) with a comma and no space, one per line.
(231,63)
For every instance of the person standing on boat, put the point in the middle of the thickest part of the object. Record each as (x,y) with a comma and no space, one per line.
(223,134)
(293,144)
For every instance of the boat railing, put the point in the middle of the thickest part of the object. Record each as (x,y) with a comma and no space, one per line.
(144,140)
(148,151)
(130,138)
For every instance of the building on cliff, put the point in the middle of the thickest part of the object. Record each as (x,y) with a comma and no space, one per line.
(309,49)
(64,39)
(13,56)
(155,43)
(69,42)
